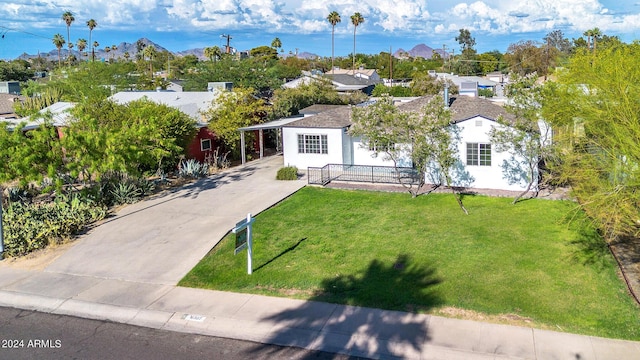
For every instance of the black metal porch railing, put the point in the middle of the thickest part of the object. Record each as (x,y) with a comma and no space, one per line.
(362,173)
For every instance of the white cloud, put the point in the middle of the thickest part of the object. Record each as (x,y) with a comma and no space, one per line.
(410,17)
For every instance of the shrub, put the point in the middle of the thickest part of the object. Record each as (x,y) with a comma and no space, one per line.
(287,173)
(29,227)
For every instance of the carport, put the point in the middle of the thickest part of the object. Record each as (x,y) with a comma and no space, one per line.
(271,125)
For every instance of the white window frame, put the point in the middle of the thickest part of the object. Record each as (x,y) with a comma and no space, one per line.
(313,144)
(203,141)
(478,154)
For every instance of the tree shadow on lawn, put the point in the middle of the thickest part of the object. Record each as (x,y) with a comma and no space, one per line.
(362,329)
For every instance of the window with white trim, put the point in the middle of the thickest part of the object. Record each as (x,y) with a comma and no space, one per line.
(380,147)
(312,144)
(479,154)
(205,144)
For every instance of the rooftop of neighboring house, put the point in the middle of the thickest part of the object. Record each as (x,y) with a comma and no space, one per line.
(367,73)
(192,103)
(462,108)
(7,101)
(59,116)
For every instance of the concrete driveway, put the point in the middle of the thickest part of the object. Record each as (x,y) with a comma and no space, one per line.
(159,240)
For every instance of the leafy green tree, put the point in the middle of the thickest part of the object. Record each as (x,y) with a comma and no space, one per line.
(233,110)
(426,137)
(137,138)
(467,64)
(487,63)
(381,89)
(522,135)
(32,155)
(425,84)
(264,53)
(593,109)
(15,71)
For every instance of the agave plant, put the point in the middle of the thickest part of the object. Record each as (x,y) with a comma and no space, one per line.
(193,169)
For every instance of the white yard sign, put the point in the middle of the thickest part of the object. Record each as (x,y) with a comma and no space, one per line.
(244,239)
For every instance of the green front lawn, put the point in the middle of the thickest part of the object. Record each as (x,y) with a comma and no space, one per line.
(389,251)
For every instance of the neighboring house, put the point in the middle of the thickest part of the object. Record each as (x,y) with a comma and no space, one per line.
(7,102)
(322,139)
(192,103)
(10,87)
(343,80)
(481,82)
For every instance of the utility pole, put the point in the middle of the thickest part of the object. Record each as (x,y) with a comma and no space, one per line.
(227,49)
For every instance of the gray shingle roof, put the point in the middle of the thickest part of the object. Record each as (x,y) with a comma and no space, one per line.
(333,119)
(462,108)
(6,104)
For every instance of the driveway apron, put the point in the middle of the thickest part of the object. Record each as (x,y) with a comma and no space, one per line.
(160,239)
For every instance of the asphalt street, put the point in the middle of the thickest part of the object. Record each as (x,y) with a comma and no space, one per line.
(33,335)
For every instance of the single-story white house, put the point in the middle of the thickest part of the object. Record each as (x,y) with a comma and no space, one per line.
(318,140)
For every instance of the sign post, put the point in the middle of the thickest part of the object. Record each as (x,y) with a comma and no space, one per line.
(244,239)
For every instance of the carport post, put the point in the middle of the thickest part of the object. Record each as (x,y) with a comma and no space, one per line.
(242,153)
(261,143)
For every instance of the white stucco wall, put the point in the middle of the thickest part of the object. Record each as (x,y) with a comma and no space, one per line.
(476,130)
(362,155)
(302,161)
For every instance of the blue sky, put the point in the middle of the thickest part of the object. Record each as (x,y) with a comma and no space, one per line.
(28,25)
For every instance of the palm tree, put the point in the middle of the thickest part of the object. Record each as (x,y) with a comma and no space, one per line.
(92,24)
(107,49)
(58,41)
(68,18)
(114,48)
(356,19)
(81,44)
(150,52)
(93,52)
(588,34)
(276,43)
(212,52)
(595,34)
(126,55)
(334,19)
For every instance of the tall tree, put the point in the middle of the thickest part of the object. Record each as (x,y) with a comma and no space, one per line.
(427,136)
(68,18)
(82,44)
(588,34)
(58,41)
(150,52)
(276,44)
(334,19)
(593,109)
(356,20)
(213,53)
(524,135)
(232,110)
(468,52)
(92,24)
(595,34)
(94,45)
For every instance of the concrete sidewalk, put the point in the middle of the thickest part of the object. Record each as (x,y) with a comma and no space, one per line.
(126,269)
(357,331)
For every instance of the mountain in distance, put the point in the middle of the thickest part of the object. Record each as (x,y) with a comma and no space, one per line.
(100,52)
(420,50)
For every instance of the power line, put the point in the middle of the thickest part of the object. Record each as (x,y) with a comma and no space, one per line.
(7,29)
